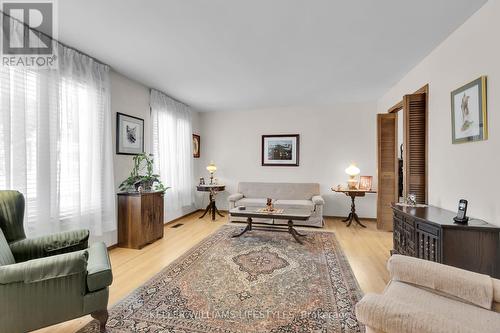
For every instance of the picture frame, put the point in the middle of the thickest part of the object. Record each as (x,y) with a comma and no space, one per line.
(196,146)
(129,134)
(280,150)
(365,183)
(469,120)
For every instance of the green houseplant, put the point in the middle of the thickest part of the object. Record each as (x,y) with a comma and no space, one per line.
(142,176)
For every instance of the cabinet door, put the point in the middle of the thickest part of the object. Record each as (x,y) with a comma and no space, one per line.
(158,215)
(398,236)
(428,243)
(147,222)
(409,236)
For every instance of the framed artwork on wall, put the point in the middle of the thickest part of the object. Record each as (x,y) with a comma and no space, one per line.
(365,183)
(468,112)
(129,135)
(196,146)
(280,150)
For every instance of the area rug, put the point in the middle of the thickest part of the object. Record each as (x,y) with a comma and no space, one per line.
(260,282)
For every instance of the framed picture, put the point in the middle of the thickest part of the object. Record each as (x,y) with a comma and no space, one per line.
(129,135)
(365,183)
(468,112)
(196,146)
(280,150)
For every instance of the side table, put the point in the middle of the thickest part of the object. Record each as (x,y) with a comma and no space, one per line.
(212,190)
(353,194)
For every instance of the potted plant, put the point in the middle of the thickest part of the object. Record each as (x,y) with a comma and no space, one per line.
(142,176)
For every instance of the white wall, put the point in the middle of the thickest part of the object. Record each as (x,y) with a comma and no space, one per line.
(132,98)
(467,170)
(330,138)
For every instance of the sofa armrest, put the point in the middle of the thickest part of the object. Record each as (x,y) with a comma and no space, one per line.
(318,200)
(45,268)
(468,286)
(49,245)
(99,273)
(235,197)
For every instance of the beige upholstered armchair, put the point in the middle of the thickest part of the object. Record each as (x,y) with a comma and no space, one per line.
(427,297)
(50,279)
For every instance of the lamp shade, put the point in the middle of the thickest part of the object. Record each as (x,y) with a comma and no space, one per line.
(352,170)
(211,167)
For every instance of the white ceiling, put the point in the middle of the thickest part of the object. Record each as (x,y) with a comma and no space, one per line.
(236,54)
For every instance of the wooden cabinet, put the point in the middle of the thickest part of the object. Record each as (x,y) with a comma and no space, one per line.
(140,218)
(430,233)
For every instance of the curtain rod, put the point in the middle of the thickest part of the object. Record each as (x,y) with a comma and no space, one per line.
(55,40)
(173,98)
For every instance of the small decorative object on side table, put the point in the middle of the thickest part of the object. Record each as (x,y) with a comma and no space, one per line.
(213,190)
(353,194)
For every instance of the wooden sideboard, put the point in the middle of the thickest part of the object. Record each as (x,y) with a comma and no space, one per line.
(430,233)
(140,218)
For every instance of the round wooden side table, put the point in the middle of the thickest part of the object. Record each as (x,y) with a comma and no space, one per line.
(212,191)
(353,194)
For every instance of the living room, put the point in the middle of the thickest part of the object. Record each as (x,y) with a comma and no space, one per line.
(148,150)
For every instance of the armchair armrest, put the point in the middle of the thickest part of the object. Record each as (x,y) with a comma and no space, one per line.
(468,286)
(44,268)
(318,200)
(33,248)
(99,273)
(235,197)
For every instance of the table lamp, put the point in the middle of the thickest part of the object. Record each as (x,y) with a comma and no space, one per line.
(211,168)
(352,171)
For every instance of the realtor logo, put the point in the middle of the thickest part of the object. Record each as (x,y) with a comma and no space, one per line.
(27,30)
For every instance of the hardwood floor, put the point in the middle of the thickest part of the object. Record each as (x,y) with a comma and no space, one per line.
(366,249)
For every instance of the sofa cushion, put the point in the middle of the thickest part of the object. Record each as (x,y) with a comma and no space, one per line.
(303,204)
(286,191)
(465,314)
(6,257)
(251,202)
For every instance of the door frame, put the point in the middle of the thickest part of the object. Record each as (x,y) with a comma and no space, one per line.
(399,106)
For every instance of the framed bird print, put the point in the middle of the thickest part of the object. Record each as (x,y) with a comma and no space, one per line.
(129,134)
(469,120)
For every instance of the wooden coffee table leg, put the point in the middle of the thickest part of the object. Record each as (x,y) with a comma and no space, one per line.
(247,228)
(347,218)
(294,232)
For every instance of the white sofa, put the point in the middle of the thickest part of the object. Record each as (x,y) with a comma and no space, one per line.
(284,195)
(427,297)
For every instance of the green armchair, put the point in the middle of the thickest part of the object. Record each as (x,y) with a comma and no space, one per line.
(50,279)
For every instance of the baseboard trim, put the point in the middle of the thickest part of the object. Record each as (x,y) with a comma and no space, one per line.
(183,216)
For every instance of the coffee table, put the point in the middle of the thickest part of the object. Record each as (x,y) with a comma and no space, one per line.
(289,215)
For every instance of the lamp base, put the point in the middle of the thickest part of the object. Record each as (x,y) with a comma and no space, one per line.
(352,184)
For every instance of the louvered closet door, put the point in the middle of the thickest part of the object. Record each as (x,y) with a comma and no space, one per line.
(387,137)
(415,146)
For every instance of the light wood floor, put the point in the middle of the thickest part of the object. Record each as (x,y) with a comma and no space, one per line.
(366,249)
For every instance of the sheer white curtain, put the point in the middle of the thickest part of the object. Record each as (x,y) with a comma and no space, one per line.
(173,151)
(55,143)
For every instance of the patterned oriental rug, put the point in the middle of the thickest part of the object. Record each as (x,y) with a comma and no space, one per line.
(260,282)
